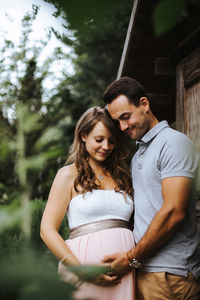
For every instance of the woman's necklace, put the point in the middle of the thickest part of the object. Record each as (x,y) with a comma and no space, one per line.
(101,177)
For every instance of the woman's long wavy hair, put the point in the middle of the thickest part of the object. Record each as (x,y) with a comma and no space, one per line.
(115,163)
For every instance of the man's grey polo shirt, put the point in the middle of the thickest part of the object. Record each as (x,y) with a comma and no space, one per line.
(164,152)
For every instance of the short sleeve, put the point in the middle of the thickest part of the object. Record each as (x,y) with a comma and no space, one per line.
(178,157)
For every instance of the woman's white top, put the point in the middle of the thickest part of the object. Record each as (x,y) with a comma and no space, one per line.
(98,205)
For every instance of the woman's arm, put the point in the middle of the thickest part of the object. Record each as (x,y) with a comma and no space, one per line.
(58,201)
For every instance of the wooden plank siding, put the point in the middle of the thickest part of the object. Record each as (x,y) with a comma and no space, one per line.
(188,105)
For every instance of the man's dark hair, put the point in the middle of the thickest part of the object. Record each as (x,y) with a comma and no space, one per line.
(126,86)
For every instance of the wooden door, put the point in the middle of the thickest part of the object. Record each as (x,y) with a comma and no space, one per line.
(188,100)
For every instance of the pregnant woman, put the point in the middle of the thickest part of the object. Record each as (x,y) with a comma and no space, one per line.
(96,192)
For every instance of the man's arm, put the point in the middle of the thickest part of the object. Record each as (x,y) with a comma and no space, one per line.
(176,192)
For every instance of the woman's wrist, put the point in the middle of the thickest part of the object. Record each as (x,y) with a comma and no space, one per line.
(65,257)
(70,260)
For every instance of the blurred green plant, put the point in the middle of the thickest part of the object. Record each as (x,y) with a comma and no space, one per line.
(27,123)
(22,83)
(25,274)
(79,13)
(168,13)
(28,275)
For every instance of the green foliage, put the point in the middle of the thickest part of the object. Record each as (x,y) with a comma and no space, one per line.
(11,236)
(98,47)
(168,13)
(28,275)
(37,211)
(79,13)
(11,216)
(26,127)
(88,272)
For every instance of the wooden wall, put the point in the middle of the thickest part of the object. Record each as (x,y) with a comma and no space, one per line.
(188,103)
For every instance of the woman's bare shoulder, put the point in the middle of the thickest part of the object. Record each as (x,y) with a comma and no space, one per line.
(68,171)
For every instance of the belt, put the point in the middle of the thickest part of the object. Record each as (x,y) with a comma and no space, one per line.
(97,226)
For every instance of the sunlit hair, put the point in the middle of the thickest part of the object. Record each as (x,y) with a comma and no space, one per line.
(115,162)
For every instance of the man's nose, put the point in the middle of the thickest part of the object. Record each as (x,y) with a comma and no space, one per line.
(123,125)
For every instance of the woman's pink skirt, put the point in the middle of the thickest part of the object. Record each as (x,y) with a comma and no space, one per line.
(91,249)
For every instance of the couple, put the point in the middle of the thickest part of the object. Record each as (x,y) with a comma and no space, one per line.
(161,256)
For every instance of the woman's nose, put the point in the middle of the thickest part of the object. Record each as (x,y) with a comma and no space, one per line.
(105,145)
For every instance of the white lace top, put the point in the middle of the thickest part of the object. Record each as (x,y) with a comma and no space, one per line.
(98,205)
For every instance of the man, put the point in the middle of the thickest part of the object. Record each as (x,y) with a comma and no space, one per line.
(164,172)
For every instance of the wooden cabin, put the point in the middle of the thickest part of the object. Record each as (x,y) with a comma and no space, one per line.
(168,67)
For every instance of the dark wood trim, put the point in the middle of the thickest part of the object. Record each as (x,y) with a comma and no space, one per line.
(191,70)
(184,48)
(180,125)
(163,67)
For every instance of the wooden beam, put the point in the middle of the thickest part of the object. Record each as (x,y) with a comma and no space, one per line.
(191,71)
(163,67)
(128,39)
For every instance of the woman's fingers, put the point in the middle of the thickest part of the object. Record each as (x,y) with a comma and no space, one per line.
(106,280)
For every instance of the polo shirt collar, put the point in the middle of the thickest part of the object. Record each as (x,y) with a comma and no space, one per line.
(153,132)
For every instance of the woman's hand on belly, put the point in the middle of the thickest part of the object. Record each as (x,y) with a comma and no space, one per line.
(106,280)
(98,274)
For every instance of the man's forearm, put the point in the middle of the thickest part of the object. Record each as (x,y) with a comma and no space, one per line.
(160,230)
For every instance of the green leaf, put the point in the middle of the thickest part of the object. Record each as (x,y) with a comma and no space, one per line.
(167,14)
(35,162)
(6,148)
(51,134)
(89,11)
(28,121)
(89,271)
(28,275)
(10,218)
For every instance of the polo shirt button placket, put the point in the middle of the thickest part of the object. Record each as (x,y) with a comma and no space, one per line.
(140,159)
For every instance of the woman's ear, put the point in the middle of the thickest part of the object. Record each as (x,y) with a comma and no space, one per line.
(83,137)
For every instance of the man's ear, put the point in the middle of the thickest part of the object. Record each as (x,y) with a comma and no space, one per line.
(83,137)
(144,104)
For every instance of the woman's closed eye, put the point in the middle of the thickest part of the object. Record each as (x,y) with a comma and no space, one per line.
(99,140)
